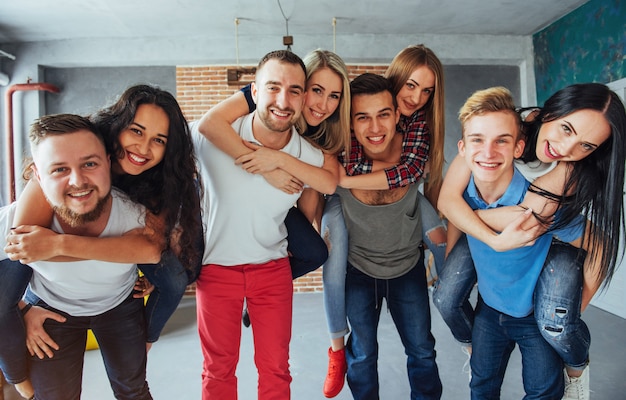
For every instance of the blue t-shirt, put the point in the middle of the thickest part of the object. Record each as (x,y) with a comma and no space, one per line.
(506,280)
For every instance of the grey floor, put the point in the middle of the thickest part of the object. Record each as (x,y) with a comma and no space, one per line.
(175,361)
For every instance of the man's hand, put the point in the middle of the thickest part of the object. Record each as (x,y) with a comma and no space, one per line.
(38,341)
(30,243)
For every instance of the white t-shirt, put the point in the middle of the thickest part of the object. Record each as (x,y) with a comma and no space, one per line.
(534,169)
(244,215)
(90,287)
(6,221)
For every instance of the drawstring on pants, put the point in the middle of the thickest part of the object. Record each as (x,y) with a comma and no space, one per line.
(386,292)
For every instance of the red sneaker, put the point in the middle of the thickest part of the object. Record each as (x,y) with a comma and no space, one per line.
(337,368)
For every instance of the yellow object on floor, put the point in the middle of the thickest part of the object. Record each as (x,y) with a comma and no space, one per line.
(92,343)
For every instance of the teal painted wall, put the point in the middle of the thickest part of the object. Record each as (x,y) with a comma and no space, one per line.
(587,45)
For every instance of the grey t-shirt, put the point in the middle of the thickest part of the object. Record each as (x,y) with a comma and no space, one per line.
(383,239)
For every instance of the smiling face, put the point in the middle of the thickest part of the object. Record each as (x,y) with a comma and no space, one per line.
(278,92)
(324,89)
(74,173)
(572,137)
(490,144)
(374,119)
(144,140)
(416,91)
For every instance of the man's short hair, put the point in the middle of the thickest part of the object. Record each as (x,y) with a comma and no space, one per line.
(493,99)
(53,125)
(284,56)
(59,124)
(368,84)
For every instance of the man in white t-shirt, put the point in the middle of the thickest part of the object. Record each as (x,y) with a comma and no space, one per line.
(73,168)
(245,244)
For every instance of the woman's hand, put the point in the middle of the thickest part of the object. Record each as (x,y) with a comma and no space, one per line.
(284,181)
(261,160)
(142,288)
(30,243)
(519,233)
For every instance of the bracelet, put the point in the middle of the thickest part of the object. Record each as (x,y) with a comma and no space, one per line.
(27,307)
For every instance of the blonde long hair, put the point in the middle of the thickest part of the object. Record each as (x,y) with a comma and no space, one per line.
(399,71)
(335,129)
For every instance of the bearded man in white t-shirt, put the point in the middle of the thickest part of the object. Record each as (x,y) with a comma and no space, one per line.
(72,167)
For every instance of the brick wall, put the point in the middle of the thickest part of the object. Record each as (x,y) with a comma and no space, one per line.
(198,88)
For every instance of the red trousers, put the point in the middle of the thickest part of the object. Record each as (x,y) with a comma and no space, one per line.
(220,292)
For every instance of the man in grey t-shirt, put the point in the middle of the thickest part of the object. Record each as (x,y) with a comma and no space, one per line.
(385,259)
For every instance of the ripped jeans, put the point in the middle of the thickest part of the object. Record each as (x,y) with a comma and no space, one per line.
(557,300)
(335,234)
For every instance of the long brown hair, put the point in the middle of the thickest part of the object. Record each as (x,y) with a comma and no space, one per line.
(399,71)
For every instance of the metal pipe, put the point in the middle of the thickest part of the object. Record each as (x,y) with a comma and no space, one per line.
(9,100)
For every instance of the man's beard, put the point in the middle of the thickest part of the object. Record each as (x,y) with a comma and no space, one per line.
(75,219)
(274,125)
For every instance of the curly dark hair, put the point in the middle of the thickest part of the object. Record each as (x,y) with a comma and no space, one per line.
(171,188)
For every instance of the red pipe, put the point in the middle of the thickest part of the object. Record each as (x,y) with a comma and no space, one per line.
(9,99)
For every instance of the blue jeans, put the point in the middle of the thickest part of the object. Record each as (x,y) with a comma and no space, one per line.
(431,222)
(452,289)
(170,281)
(335,233)
(407,300)
(14,278)
(494,337)
(557,299)
(308,250)
(121,337)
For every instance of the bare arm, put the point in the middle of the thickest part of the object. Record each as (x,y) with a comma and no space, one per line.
(591,279)
(375,180)
(216,126)
(33,241)
(263,160)
(216,123)
(372,181)
(29,243)
(32,207)
(455,208)
(519,229)
(553,182)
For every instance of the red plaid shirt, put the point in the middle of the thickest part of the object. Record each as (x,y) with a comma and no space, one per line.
(415,147)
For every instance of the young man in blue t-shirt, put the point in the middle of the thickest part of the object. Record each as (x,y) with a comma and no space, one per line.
(506,280)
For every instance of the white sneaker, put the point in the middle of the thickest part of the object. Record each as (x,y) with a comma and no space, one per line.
(577,388)
(467,368)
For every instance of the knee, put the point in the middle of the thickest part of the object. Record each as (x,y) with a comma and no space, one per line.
(436,236)
(441,300)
